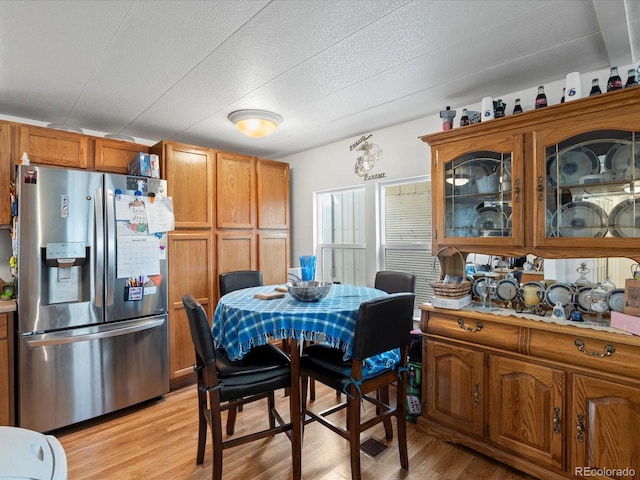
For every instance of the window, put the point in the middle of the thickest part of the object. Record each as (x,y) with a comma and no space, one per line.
(405,232)
(340,236)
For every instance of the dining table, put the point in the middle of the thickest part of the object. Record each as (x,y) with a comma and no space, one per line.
(243,321)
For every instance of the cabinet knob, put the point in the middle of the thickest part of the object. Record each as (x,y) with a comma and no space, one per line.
(540,188)
(580,427)
(556,420)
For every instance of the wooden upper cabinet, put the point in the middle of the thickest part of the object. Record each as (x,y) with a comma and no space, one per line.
(236,193)
(273,194)
(273,257)
(115,155)
(189,172)
(5,173)
(53,147)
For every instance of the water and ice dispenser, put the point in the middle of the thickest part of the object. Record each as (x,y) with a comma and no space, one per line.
(66,273)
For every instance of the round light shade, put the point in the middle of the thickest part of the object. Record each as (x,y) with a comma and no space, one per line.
(255,123)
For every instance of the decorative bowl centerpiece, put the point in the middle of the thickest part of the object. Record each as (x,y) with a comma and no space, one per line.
(309,291)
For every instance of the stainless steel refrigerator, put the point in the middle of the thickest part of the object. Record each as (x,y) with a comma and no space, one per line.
(92,296)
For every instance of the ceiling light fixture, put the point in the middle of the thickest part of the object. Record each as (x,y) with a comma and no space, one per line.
(65,127)
(120,136)
(255,123)
(458,178)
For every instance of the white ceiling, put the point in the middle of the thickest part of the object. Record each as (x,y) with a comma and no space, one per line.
(333,69)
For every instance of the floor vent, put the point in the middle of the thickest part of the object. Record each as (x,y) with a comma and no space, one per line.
(372,447)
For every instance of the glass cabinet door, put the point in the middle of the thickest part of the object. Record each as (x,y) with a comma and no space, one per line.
(593,186)
(478,195)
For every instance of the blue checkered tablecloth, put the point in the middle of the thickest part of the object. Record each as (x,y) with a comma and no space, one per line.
(242,321)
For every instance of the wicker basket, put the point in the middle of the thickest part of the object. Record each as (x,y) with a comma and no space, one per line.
(451,290)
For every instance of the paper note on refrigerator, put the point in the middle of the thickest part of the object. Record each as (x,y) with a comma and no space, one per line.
(160,214)
(137,256)
(131,212)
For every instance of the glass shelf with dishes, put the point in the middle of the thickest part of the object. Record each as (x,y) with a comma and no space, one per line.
(478,195)
(593,185)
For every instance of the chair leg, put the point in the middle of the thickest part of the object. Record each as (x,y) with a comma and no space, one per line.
(383,396)
(231,420)
(271,405)
(216,434)
(401,422)
(202,426)
(312,389)
(353,411)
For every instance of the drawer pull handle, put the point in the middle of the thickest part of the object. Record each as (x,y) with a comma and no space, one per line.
(540,188)
(516,190)
(556,420)
(608,350)
(580,427)
(476,394)
(479,326)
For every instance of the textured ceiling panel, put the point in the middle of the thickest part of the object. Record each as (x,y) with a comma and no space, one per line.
(334,69)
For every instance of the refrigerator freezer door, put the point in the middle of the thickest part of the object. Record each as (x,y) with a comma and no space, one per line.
(120,303)
(70,376)
(59,258)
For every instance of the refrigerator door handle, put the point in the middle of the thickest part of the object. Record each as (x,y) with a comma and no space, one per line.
(98,281)
(61,338)
(110,238)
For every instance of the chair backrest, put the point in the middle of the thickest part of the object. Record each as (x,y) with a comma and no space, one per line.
(231,281)
(383,324)
(201,337)
(395,282)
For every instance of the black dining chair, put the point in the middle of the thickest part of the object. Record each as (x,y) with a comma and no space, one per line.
(383,324)
(224,384)
(393,282)
(231,281)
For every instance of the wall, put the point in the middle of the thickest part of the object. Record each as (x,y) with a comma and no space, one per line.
(404,155)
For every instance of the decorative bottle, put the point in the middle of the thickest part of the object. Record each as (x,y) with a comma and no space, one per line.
(614,82)
(595,87)
(562,99)
(499,109)
(516,107)
(464,119)
(541,99)
(631,78)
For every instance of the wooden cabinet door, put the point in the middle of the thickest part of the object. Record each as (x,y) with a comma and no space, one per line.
(526,409)
(115,155)
(190,266)
(273,194)
(47,146)
(6,370)
(604,428)
(273,257)
(455,391)
(189,172)
(236,251)
(5,173)
(236,192)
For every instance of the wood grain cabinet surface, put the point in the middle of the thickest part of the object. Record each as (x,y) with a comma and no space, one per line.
(115,155)
(5,173)
(553,400)
(47,146)
(7,416)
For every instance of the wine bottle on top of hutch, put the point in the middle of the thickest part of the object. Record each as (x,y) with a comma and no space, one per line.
(614,82)
(631,78)
(595,87)
(541,99)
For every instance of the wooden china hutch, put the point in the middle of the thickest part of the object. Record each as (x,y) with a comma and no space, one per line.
(556,400)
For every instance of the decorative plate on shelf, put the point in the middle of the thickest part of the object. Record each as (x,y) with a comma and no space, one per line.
(559,292)
(616,300)
(490,219)
(624,219)
(507,289)
(573,164)
(618,160)
(580,219)
(476,284)
(583,299)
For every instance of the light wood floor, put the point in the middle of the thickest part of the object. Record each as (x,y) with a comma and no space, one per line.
(158,442)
